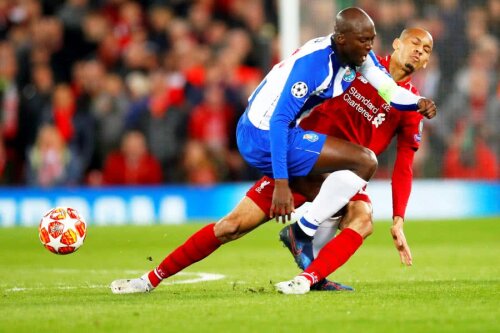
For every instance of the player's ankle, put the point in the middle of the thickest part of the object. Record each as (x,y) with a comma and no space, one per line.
(153,278)
(311,277)
(299,233)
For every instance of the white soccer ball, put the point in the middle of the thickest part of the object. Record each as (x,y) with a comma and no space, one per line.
(62,230)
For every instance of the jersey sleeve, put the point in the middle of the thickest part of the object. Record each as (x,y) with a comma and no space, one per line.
(410,131)
(402,178)
(378,77)
(301,82)
(409,137)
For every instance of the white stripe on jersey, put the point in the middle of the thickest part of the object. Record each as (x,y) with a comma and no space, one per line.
(263,100)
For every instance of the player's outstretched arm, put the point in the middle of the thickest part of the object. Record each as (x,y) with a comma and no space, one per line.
(398,97)
(400,242)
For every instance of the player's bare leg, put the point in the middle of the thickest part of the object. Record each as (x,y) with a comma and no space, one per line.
(244,218)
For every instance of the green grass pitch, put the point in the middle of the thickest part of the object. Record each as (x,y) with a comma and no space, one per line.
(453,285)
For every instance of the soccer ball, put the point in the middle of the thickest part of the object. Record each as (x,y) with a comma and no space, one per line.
(62,230)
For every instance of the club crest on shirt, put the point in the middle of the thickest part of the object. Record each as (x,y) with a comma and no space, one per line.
(349,75)
(418,137)
(311,137)
(299,89)
(262,185)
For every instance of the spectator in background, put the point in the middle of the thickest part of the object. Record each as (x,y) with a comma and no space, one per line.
(159,17)
(109,109)
(473,98)
(319,12)
(164,123)
(63,110)
(212,121)
(130,21)
(469,126)
(198,166)
(451,14)
(36,104)
(493,9)
(9,109)
(9,94)
(74,122)
(138,87)
(50,162)
(468,156)
(88,82)
(133,164)
(388,24)
(72,13)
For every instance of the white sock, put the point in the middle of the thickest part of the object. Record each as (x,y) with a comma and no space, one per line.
(335,192)
(325,233)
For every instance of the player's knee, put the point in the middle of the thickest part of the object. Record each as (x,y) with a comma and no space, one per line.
(228,229)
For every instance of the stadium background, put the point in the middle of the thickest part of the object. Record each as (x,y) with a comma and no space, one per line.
(126,110)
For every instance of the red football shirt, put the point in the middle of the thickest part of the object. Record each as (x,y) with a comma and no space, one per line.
(361,116)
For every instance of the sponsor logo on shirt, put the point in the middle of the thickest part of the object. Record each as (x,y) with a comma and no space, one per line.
(379,119)
(311,137)
(299,89)
(371,112)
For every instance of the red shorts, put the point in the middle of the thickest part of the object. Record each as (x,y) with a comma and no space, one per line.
(262,194)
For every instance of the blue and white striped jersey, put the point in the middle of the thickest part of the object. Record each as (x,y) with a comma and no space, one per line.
(311,75)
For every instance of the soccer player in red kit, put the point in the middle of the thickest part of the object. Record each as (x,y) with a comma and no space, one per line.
(253,210)
(361,116)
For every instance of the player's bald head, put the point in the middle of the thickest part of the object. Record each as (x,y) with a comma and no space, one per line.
(412,49)
(418,33)
(352,19)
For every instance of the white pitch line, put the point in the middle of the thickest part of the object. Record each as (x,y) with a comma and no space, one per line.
(201,277)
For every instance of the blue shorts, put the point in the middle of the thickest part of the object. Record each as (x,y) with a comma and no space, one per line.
(304,148)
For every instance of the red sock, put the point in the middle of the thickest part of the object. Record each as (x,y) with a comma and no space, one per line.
(201,244)
(333,255)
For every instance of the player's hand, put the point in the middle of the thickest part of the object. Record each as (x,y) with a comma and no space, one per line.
(427,108)
(400,241)
(282,204)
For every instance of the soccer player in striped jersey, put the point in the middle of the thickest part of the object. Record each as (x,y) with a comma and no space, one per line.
(363,117)
(323,68)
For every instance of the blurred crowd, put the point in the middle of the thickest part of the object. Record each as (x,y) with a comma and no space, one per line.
(148,92)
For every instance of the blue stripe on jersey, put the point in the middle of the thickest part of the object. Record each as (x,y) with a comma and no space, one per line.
(256,92)
(404,107)
(312,102)
(336,65)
